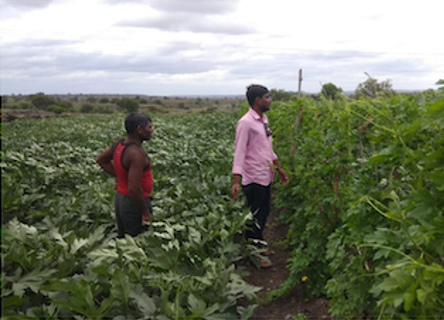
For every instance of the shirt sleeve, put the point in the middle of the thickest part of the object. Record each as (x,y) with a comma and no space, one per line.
(274,156)
(240,147)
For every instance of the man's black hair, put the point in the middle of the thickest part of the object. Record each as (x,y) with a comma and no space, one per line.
(255,91)
(134,120)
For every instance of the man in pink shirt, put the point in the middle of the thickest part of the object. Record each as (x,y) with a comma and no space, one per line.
(255,162)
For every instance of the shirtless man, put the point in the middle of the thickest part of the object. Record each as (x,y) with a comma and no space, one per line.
(126,160)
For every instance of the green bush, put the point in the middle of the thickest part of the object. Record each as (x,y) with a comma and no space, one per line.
(104,110)
(91,99)
(365,202)
(129,105)
(42,102)
(56,109)
(87,108)
(25,105)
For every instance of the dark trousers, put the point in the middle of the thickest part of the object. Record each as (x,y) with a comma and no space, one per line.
(129,218)
(259,202)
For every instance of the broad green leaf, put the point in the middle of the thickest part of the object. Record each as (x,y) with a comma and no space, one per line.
(120,289)
(33,280)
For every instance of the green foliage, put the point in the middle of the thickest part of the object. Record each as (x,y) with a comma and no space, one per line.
(87,108)
(61,258)
(129,105)
(56,109)
(441,84)
(330,91)
(104,100)
(365,202)
(103,109)
(25,105)
(42,102)
(372,88)
(281,95)
(91,99)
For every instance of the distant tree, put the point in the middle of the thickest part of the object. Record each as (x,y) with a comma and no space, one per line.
(330,91)
(65,104)
(441,84)
(103,100)
(371,88)
(91,99)
(129,105)
(280,95)
(143,101)
(87,108)
(25,105)
(56,109)
(115,100)
(102,109)
(42,102)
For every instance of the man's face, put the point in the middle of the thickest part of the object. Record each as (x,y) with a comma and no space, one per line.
(147,131)
(264,102)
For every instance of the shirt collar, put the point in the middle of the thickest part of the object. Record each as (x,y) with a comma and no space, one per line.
(254,114)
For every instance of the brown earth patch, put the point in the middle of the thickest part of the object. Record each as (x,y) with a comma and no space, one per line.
(270,279)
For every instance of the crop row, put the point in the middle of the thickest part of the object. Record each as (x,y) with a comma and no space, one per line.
(61,257)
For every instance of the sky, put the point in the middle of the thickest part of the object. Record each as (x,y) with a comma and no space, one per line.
(209,47)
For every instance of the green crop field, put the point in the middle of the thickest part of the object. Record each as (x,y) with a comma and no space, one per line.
(60,255)
(365,209)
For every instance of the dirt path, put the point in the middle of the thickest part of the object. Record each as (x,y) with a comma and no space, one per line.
(270,279)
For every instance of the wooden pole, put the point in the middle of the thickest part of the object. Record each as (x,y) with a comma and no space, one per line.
(300,83)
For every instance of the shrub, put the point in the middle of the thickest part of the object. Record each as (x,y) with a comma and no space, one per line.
(56,109)
(25,105)
(102,109)
(87,108)
(129,105)
(40,101)
(103,100)
(91,99)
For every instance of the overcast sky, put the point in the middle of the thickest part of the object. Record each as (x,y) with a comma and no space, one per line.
(199,47)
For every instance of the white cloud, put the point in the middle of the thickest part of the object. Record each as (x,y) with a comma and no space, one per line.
(201,47)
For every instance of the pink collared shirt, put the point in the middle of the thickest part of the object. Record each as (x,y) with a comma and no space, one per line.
(253,150)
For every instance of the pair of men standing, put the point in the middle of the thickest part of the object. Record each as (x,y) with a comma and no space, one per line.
(254,164)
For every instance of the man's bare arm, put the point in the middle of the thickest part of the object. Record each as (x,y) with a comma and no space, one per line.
(104,160)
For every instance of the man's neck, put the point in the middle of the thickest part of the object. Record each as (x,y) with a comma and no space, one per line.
(258,110)
(134,140)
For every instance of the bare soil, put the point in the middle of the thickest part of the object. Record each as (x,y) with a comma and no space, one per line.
(270,279)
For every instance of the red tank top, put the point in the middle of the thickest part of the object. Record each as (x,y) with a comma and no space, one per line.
(122,172)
